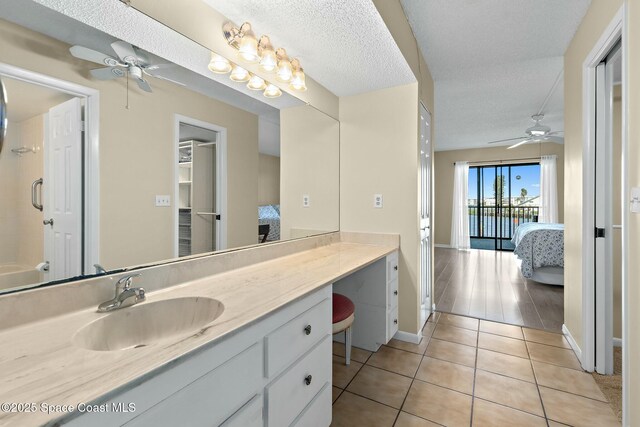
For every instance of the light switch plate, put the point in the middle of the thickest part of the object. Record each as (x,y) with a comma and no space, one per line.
(377,201)
(163,201)
(634,204)
(306,201)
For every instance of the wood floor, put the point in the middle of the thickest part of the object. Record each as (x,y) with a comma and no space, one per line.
(488,285)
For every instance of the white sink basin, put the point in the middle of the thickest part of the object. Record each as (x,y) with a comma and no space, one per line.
(148,323)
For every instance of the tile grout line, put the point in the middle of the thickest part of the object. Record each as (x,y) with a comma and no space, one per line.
(475,371)
(535,378)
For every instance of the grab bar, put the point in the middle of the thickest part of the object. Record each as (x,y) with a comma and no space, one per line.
(34,201)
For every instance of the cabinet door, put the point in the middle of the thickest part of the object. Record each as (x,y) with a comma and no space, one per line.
(211,399)
(203,197)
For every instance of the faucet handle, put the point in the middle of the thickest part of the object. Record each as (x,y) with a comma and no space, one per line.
(126,281)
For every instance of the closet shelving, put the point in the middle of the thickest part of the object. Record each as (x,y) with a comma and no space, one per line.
(185,177)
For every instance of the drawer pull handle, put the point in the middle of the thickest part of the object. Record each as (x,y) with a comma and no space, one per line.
(307,330)
(395,267)
(395,321)
(307,379)
(395,292)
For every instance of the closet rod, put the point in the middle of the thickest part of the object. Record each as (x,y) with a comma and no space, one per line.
(503,160)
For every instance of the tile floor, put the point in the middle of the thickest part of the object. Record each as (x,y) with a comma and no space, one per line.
(489,285)
(468,372)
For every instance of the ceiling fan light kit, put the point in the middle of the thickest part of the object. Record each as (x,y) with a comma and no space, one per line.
(129,60)
(535,133)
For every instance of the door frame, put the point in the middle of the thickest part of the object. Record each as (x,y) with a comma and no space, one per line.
(221,179)
(616,30)
(425,312)
(91,155)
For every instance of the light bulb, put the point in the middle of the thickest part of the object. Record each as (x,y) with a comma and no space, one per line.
(298,81)
(256,83)
(239,74)
(272,91)
(219,64)
(248,47)
(269,62)
(284,70)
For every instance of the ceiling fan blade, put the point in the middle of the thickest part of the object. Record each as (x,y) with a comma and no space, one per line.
(87,54)
(557,132)
(168,79)
(155,67)
(107,73)
(142,84)
(125,51)
(505,140)
(556,139)
(517,144)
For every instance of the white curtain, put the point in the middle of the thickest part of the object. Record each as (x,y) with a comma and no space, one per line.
(460,218)
(548,190)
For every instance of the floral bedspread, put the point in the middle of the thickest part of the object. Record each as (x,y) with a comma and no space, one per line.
(539,245)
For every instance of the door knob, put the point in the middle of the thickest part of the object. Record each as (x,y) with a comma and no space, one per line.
(48,222)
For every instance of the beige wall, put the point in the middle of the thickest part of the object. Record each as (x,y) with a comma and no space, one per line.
(379,155)
(310,164)
(137,152)
(394,18)
(598,17)
(268,180)
(443,185)
(632,345)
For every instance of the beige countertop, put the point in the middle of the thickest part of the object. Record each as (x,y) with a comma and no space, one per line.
(39,362)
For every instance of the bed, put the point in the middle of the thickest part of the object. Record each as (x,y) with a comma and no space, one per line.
(540,251)
(270,214)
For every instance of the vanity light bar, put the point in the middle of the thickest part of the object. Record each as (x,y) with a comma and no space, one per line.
(261,51)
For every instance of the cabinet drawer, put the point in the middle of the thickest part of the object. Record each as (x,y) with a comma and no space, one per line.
(211,399)
(392,298)
(250,415)
(392,267)
(294,338)
(392,323)
(318,412)
(290,394)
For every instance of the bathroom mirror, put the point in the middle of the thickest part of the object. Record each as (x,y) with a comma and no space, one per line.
(108,170)
(3,114)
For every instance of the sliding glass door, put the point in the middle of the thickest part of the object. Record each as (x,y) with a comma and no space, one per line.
(500,198)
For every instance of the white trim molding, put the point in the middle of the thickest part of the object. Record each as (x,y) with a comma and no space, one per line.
(572,342)
(408,337)
(91,145)
(440,245)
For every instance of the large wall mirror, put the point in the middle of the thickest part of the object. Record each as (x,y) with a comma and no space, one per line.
(106,167)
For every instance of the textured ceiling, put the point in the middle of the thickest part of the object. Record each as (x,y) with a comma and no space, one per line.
(343,45)
(494,62)
(28,100)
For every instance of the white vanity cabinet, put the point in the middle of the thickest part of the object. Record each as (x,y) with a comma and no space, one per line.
(374,291)
(275,372)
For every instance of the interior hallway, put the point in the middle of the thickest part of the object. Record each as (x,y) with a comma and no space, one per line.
(468,372)
(488,285)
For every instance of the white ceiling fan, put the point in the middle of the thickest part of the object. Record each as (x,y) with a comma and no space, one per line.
(535,133)
(130,59)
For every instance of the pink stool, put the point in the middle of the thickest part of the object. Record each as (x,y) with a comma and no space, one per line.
(343,316)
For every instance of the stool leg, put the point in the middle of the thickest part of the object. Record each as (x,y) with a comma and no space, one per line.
(347,344)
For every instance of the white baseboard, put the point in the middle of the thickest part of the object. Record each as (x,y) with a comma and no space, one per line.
(572,342)
(439,245)
(408,337)
(617,342)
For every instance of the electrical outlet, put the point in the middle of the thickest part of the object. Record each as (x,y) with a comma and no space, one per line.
(377,201)
(163,201)
(306,201)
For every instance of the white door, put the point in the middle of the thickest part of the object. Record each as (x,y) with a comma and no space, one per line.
(425,213)
(62,190)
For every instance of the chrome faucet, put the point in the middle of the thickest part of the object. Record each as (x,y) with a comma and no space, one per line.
(125,295)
